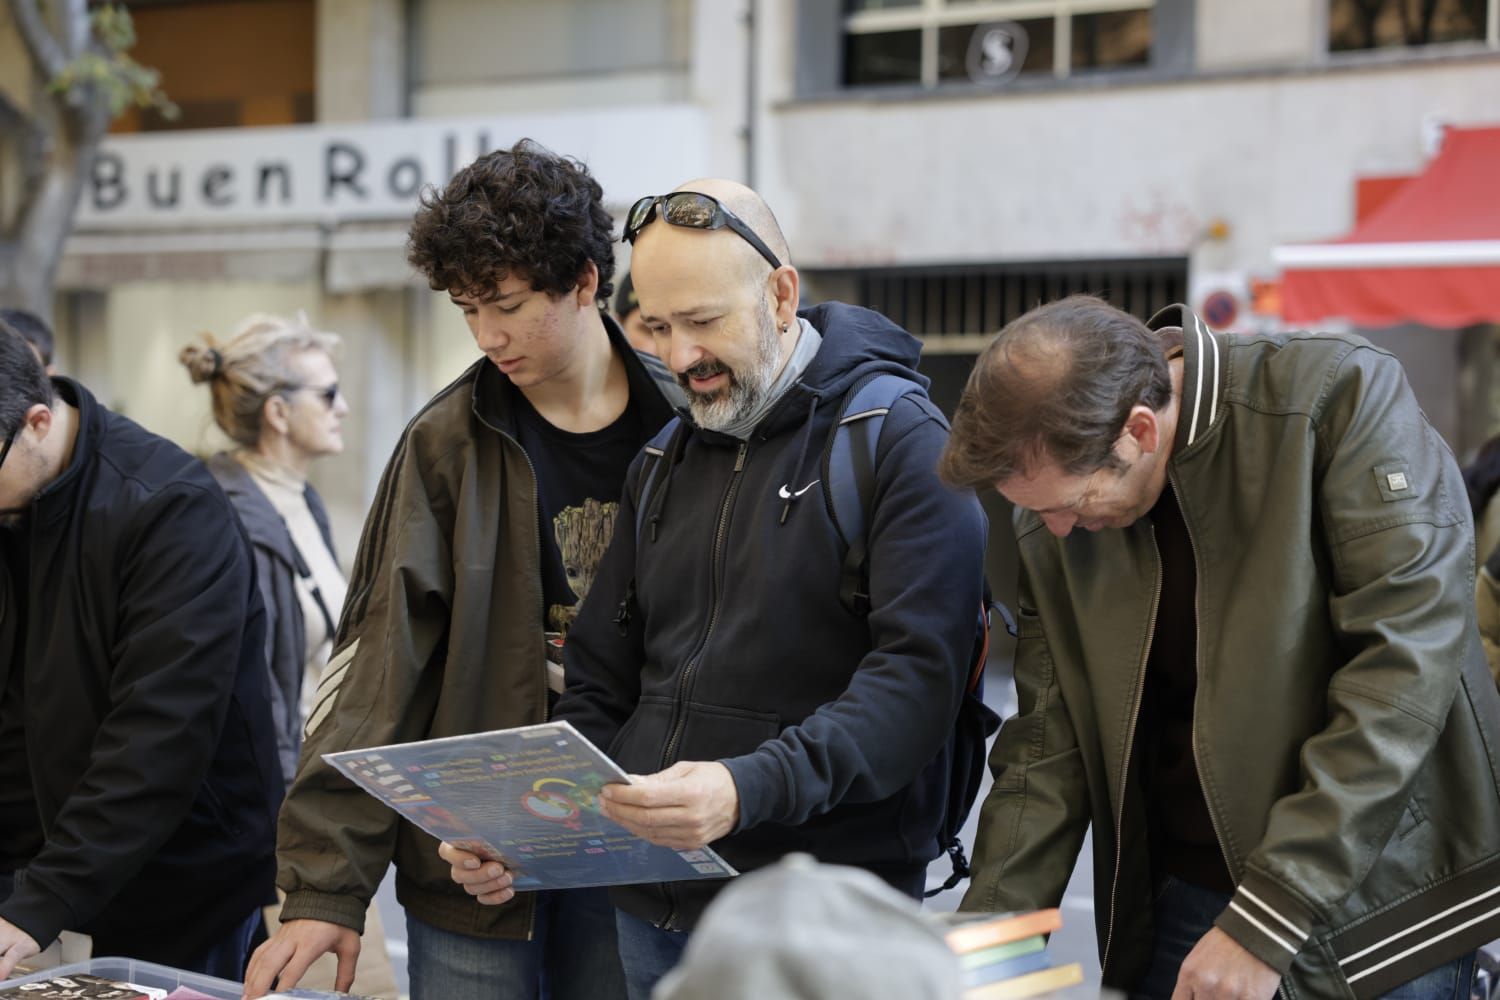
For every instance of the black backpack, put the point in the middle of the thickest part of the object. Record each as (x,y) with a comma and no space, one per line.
(849,463)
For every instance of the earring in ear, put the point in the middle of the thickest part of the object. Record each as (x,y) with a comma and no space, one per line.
(785,327)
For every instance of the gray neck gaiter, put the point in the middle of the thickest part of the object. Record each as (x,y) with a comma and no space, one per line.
(808,342)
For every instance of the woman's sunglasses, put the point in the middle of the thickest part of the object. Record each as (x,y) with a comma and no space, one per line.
(329,394)
(692,210)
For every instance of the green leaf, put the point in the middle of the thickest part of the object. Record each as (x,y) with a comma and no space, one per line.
(108,70)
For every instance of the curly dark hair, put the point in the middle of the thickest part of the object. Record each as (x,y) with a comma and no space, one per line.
(520,210)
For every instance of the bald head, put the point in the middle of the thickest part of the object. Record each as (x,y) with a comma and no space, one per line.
(753,211)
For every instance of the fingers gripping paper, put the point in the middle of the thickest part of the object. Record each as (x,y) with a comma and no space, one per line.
(528,798)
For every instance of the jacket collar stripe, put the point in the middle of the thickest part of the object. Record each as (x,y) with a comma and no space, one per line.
(1237,908)
(1422,945)
(1425,923)
(1200,349)
(1299,933)
(1213,404)
(1206,344)
(1198,393)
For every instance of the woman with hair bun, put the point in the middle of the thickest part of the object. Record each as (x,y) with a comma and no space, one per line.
(276,394)
(275,391)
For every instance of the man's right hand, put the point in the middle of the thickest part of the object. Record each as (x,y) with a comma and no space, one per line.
(486,881)
(15,946)
(283,960)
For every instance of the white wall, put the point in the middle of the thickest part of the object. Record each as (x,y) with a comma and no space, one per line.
(1127,171)
(147,323)
(361,59)
(482,57)
(475,57)
(129,358)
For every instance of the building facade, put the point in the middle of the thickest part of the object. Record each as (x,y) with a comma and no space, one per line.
(950,162)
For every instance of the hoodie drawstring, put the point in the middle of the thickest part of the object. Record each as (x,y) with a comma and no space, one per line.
(792,493)
(670,459)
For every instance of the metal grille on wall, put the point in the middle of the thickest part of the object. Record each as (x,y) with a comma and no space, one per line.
(957,310)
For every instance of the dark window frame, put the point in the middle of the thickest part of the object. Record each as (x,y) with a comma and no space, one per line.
(821,47)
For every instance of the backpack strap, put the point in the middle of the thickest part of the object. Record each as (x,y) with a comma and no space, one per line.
(656,449)
(849,476)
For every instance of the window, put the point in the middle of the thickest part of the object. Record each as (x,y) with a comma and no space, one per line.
(928,42)
(1358,25)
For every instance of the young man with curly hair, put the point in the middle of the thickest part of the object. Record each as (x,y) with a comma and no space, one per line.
(495,492)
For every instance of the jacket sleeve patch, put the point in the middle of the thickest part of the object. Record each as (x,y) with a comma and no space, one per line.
(1395,482)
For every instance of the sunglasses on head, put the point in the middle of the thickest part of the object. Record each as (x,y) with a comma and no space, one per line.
(692,210)
(329,394)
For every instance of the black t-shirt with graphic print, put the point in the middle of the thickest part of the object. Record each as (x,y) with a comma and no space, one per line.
(579,481)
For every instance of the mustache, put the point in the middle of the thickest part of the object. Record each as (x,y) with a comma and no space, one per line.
(703,369)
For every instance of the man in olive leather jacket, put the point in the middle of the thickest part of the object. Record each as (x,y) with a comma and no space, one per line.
(1256,673)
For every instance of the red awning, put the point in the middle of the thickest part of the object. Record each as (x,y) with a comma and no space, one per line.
(1430,254)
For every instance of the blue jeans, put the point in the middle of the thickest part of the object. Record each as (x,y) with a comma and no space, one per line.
(1183,913)
(648,952)
(224,960)
(227,959)
(572,955)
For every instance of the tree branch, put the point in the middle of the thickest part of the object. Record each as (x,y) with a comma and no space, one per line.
(30,150)
(12,117)
(46,55)
(73,17)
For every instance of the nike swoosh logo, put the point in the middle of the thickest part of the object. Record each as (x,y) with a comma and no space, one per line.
(787,495)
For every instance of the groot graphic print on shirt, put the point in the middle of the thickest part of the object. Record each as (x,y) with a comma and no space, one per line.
(582,535)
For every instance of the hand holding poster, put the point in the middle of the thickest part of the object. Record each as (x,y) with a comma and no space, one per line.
(528,798)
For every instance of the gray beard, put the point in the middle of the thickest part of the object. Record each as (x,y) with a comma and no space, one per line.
(745,392)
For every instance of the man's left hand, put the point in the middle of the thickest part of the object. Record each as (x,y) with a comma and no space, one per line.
(1219,968)
(687,806)
(15,946)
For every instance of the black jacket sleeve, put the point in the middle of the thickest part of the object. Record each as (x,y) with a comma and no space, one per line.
(185,598)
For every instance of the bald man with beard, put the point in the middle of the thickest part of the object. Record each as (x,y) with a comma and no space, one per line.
(714,656)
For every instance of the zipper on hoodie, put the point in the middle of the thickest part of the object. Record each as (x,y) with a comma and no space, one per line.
(1135,714)
(684,683)
(715,570)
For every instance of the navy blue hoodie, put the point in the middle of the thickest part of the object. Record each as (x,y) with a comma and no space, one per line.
(719,634)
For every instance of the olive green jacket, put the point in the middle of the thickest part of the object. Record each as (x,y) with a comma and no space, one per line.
(1346,730)
(441,635)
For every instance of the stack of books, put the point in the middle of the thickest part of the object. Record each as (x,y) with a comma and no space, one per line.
(1004,955)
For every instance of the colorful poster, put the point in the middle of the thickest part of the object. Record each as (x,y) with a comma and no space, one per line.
(527,798)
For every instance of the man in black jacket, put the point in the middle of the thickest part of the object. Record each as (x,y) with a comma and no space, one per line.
(716,656)
(138,777)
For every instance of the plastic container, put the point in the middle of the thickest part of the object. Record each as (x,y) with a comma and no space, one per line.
(141,974)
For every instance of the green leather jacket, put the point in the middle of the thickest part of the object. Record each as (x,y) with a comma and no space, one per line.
(1346,728)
